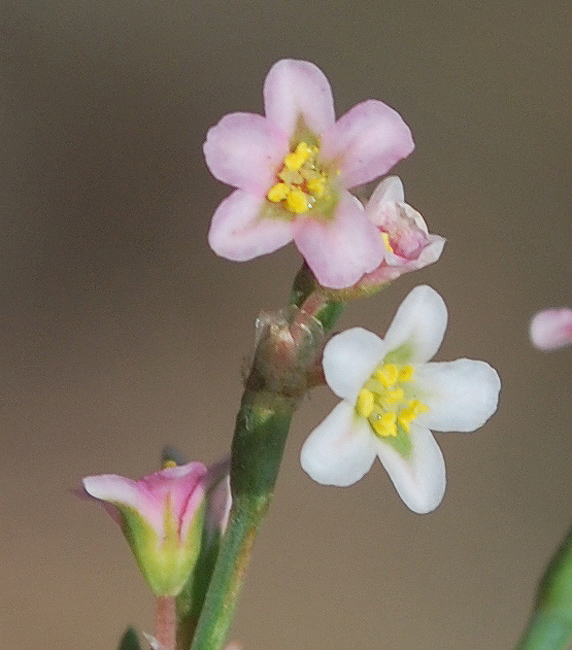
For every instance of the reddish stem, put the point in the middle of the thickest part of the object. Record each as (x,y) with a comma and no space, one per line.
(166,622)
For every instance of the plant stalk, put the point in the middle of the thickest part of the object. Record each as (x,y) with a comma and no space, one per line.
(287,349)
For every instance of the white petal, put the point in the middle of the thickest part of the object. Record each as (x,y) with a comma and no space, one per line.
(340,450)
(390,189)
(419,480)
(461,395)
(420,323)
(349,360)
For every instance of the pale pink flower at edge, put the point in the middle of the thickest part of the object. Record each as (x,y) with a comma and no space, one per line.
(551,329)
(292,169)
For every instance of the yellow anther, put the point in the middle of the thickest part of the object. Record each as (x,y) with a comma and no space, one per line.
(386,426)
(405,373)
(297,201)
(417,407)
(394,395)
(317,186)
(296,160)
(387,375)
(405,418)
(386,243)
(278,192)
(365,403)
(169,463)
(304,149)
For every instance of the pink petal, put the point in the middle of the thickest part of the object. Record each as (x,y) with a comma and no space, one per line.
(551,329)
(340,251)
(219,499)
(295,89)
(245,150)
(388,273)
(389,189)
(184,486)
(367,142)
(238,232)
(120,491)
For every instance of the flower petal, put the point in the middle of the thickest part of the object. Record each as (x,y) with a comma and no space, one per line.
(239,233)
(340,251)
(367,142)
(113,488)
(340,450)
(349,359)
(120,491)
(419,325)
(245,150)
(461,395)
(185,488)
(295,89)
(420,479)
(390,189)
(551,329)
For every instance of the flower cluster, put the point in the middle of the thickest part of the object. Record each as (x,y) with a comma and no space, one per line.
(293,169)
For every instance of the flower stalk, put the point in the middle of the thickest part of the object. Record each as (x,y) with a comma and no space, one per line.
(287,349)
(165,622)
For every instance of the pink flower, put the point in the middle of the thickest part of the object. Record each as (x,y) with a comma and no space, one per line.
(293,168)
(409,246)
(551,329)
(161,516)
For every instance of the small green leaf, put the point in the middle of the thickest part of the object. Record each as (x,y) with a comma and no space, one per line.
(129,640)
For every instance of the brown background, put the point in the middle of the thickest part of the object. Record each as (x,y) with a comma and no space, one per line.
(122,331)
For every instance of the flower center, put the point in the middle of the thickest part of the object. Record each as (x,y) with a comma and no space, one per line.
(301,181)
(386,400)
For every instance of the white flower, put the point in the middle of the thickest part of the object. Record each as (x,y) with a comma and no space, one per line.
(392,398)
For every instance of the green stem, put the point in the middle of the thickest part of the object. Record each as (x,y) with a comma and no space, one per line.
(276,384)
(550,626)
(262,427)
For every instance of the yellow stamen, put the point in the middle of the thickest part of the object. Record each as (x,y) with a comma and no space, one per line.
(365,403)
(295,160)
(387,402)
(385,425)
(386,243)
(169,463)
(278,192)
(418,407)
(317,186)
(405,373)
(408,414)
(387,375)
(301,181)
(297,201)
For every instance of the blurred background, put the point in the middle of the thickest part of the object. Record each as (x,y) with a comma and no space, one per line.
(121,330)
